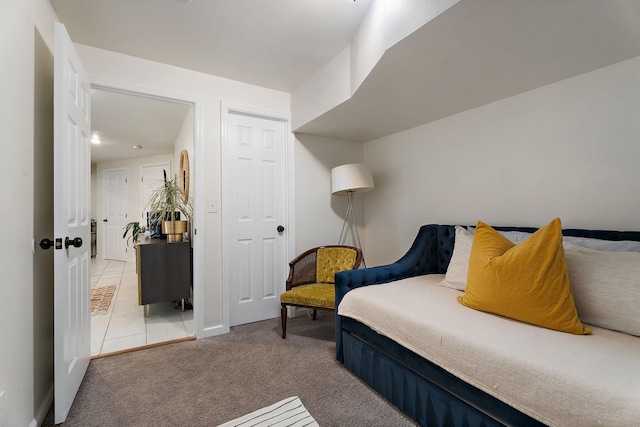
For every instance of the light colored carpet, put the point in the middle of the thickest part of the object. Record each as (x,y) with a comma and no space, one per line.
(286,413)
(210,381)
(101,298)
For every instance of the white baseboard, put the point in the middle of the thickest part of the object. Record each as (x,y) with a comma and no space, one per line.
(43,409)
(212,331)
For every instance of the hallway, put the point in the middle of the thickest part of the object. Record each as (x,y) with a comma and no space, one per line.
(124,326)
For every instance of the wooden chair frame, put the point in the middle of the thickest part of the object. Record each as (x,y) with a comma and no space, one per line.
(302,271)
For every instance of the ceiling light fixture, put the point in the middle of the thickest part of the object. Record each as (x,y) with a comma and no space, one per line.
(137,147)
(95,140)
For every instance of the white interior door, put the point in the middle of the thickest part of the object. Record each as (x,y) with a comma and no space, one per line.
(255,266)
(72,184)
(115,201)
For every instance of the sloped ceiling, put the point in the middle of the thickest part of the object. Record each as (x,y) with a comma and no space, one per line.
(270,43)
(474,53)
(480,51)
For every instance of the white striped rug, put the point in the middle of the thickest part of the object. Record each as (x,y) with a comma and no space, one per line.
(286,413)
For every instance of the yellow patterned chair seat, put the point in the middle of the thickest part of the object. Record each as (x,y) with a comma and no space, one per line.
(311,279)
(320,295)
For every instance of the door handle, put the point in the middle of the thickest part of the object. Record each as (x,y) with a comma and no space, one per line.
(76,243)
(280,229)
(46,243)
(105,220)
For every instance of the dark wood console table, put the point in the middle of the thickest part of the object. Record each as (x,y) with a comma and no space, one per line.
(164,271)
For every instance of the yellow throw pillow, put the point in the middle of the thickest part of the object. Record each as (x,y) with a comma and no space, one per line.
(526,282)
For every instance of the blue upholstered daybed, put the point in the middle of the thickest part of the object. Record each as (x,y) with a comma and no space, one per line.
(459,389)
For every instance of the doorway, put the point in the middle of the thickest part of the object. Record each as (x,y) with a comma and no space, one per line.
(133,130)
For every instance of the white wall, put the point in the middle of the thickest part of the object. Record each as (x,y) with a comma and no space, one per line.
(319,214)
(567,150)
(385,24)
(211,90)
(16,209)
(94,190)
(26,34)
(327,87)
(184,141)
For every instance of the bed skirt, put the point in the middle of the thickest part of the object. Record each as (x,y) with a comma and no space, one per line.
(422,390)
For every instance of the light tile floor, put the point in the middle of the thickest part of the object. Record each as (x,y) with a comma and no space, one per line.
(125,326)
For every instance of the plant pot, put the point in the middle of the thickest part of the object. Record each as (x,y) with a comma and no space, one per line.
(174,230)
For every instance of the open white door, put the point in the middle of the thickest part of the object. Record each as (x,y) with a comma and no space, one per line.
(72,179)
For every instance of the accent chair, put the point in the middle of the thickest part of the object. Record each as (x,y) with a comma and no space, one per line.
(311,279)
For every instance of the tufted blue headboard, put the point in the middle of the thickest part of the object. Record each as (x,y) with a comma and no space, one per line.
(431,253)
(446,239)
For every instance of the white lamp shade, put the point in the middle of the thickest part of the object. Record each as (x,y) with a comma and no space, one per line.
(355,177)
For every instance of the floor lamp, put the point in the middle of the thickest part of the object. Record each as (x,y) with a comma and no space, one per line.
(349,180)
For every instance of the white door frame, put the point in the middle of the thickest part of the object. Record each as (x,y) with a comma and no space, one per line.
(198,182)
(227,185)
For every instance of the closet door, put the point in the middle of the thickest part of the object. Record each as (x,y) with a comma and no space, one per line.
(255,200)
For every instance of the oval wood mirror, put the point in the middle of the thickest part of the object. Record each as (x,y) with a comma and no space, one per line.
(184,174)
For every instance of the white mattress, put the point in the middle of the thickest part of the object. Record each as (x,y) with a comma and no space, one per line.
(555,377)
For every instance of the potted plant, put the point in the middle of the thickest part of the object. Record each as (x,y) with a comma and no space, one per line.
(167,204)
(135,230)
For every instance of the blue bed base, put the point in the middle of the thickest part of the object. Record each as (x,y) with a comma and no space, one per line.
(422,390)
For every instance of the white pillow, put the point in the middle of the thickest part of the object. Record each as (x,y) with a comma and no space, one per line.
(585,242)
(514,236)
(604,245)
(456,276)
(606,287)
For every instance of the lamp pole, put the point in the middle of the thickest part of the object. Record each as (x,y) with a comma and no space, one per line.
(350,223)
